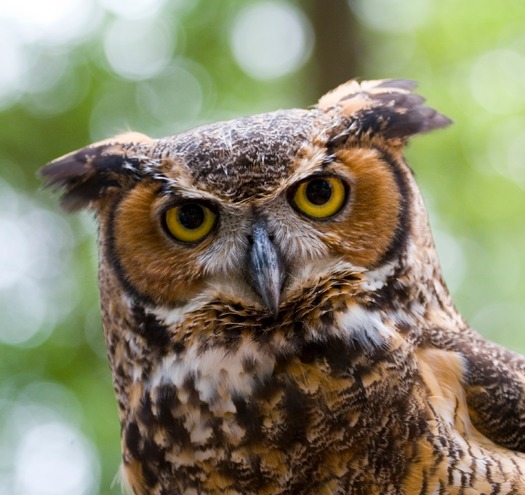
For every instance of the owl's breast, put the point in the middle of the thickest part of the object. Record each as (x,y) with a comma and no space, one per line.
(349,406)
(269,409)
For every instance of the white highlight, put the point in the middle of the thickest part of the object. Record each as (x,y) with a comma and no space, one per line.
(138,49)
(55,458)
(51,22)
(173,316)
(379,14)
(35,252)
(218,372)
(376,279)
(271,39)
(497,83)
(365,327)
(175,95)
(133,9)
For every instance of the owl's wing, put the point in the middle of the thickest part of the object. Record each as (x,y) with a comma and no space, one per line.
(494,383)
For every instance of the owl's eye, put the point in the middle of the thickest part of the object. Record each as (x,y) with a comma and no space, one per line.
(189,222)
(320,197)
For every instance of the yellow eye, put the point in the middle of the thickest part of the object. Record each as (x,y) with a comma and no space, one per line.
(320,197)
(189,222)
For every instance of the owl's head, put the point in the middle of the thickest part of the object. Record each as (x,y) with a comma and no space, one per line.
(256,211)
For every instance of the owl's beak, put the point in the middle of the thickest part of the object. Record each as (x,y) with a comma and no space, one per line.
(266,268)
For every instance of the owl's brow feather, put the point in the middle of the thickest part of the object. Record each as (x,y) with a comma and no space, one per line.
(329,158)
(151,169)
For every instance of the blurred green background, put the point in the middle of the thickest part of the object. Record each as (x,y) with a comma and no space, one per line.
(75,71)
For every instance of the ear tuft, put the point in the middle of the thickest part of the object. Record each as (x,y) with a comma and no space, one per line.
(384,107)
(87,174)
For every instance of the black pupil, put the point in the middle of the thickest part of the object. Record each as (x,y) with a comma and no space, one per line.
(318,191)
(191,216)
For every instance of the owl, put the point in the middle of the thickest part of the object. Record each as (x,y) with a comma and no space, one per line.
(275,315)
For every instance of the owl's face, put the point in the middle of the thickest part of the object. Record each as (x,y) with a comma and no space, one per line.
(252,211)
(252,229)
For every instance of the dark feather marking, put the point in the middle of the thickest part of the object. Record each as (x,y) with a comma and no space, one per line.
(166,402)
(153,459)
(424,485)
(114,259)
(295,410)
(266,388)
(337,354)
(178,347)
(145,412)
(132,439)
(193,398)
(400,102)
(86,174)
(249,417)
(392,115)
(149,328)
(406,84)
(215,423)
(399,240)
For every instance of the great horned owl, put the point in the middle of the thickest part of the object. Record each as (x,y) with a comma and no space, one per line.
(275,315)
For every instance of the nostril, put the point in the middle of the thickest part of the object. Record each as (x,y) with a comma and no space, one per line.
(250,240)
(271,237)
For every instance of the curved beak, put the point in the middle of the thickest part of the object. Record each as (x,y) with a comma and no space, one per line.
(266,268)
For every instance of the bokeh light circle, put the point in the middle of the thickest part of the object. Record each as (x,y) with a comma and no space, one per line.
(271,39)
(138,49)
